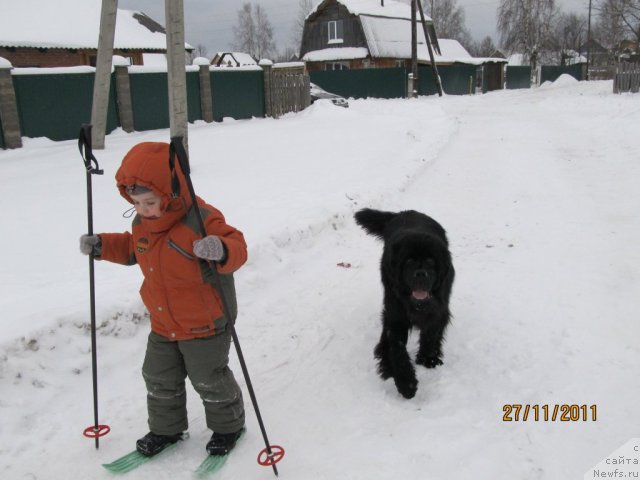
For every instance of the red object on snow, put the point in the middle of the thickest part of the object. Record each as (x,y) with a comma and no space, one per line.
(267,459)
(97,431)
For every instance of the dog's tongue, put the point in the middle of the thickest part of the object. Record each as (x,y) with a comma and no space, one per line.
(420,294)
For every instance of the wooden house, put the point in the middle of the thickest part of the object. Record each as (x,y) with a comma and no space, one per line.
(358,34)
(351,34)
(61,33)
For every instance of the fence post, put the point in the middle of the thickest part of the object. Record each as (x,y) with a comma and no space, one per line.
(123,93)
(267,68)
(306,92)
(206,100)
(9,107)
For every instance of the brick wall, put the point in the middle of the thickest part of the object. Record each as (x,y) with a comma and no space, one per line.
(58,57)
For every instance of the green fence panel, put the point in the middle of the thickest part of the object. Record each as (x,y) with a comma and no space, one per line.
(550,73)
(237,93)
(56,105)
(457,79)
(150,100)
(518,77)
(370,82)
(194,109)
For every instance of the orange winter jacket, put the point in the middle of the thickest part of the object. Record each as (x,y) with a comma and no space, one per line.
(177,288)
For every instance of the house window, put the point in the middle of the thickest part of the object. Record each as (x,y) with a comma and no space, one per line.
(335,31)
(336,66)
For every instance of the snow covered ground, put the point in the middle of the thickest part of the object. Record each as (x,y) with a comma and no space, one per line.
(538,190)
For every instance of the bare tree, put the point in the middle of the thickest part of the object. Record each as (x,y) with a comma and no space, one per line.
(619,20)
(265,46)
(199,51)
(244,32)
(484,48)
(570,34)
(304,8)
(609,28)
(449,20)
(526,26)
(253,33)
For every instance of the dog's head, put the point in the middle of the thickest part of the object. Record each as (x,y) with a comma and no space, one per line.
(420,266)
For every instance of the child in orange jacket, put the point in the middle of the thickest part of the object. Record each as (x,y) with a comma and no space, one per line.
(189,334)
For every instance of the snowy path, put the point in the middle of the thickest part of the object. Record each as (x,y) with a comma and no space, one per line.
(541,211)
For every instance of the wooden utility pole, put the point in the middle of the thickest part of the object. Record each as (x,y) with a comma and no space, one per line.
(589,41)
(414,52)
(102,79)
(176,70)
(436,76)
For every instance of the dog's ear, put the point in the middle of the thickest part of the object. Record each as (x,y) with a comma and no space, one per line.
(374,221)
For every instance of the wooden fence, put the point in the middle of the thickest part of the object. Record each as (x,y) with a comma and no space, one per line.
(286,88)
(627,78)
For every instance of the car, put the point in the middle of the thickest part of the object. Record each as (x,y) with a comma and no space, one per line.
(318,93)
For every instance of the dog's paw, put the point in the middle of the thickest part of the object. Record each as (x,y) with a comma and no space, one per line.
(407,388)
(429,361)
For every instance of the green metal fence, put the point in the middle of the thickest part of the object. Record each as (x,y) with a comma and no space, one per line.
(550,73)
(237,94)
(457,79)
(55,106)
(149,100)
(518,77)
(194,109)
(371,82)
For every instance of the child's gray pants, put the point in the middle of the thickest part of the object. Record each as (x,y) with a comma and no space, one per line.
(205,361)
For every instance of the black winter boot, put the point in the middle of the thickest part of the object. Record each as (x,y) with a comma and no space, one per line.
(223,443)
(152,444)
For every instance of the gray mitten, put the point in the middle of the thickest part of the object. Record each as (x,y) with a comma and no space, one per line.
(209,248)
(90,244)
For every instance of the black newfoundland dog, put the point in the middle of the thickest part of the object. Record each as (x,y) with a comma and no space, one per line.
(417,276)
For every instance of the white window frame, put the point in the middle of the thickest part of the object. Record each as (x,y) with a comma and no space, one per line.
(337,66)
(334,31)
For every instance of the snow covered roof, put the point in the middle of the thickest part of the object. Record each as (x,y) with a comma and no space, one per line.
(452,48)
(74,24)
(391,8)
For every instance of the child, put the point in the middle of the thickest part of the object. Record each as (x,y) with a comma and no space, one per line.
(189,334)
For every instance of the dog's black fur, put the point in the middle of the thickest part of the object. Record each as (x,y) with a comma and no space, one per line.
(417,276)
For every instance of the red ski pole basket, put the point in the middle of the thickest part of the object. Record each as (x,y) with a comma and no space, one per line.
(268,459)
(97,431)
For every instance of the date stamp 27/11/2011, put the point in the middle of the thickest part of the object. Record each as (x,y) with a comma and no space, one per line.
(517,412)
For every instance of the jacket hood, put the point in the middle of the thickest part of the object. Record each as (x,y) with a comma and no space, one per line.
(147,164)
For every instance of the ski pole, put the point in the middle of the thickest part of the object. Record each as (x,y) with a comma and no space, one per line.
(271,454)
(91,165)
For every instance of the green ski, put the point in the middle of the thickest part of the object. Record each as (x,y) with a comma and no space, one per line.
(134,459)
(210,465)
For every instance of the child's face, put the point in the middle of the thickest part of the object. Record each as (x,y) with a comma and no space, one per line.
(147,205)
